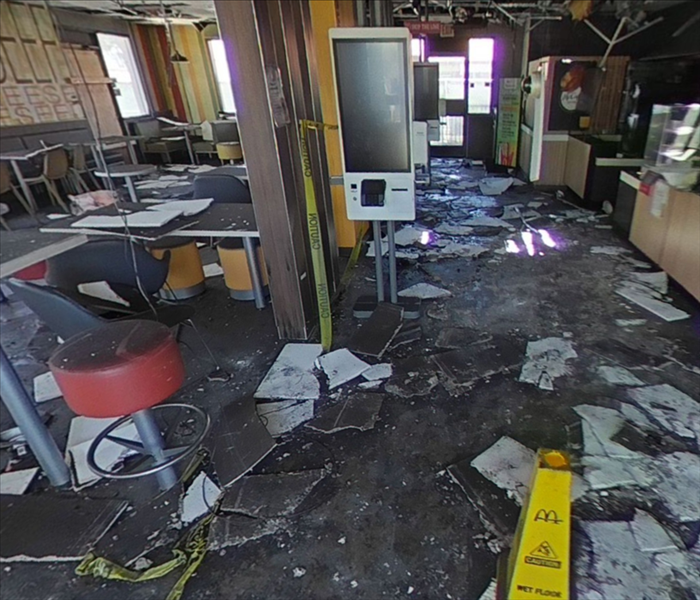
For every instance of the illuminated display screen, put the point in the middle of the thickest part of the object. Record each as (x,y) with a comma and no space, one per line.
(374,105)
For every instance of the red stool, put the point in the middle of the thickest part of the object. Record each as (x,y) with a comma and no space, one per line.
(127,369)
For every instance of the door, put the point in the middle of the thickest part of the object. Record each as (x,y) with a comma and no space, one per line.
(452,79)
(480,99)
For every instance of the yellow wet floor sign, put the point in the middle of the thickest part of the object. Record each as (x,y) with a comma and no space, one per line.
(539,561)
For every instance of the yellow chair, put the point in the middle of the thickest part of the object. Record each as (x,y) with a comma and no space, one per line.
(229,151)
(236,272)
(56,167)
(185,273)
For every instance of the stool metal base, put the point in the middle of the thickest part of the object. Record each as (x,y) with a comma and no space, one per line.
(246,295)
(157,456)
(184,293)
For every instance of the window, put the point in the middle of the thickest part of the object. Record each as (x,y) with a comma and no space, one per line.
(417,49)
(480,75)
(222,75)
(451,76)
(121,67)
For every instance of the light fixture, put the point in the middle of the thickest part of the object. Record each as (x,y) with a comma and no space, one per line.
(176,57)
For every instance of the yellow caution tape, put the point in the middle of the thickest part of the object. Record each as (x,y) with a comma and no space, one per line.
(539,561)
(189,552)
(323,296)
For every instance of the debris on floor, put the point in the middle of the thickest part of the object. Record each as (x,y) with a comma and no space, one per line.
(619,376)
(271,496)
(670,408)
(495,186)
(15,483)
(199,499)
(380,371)
(410,235)
(82,432)
(359,411)
(46,388)
(376,334)
(425,291)
(630,322)
(74,524)
(284,416)
(213,270)
(457,230)
(238,440)
(234,530)
(102,291)
(291,376)
(649,290)
(546,360)
(341,366)
(609,250)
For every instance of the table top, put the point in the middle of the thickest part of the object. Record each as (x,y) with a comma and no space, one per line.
(127,170)
(27,154)
(23,248)
(219,220)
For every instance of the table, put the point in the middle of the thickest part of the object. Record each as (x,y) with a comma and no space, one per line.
(20,249)
(18,156)
(219,220)
(185,129)
(127,172)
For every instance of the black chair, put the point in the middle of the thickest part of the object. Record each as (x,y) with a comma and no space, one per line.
(129,269)
(225,187)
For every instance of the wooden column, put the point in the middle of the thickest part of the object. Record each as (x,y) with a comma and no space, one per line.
(269,133)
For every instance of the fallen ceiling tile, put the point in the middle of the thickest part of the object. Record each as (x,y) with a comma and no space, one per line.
(15,483)
(46,388)
(281,417)
(649,534)
(600,424)
(425,291)
(546,361)
(359,411)
(274,495)
(619,376)
(238,440)
(377,333)
(199,499)
(509,465)
(675,411)
(291,375)
(236,530)
(661,309)
(50,528)
(341,366)
(380,371)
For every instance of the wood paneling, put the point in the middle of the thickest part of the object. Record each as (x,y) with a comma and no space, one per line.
(578,154)
(252,53)
(680,257)
(553,163)
(648,232)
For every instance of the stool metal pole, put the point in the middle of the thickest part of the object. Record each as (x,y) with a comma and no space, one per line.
(23,410)
(251,252)
(377,229)
(393,289)
(154,444)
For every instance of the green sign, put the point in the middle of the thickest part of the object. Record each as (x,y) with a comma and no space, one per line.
(508,126)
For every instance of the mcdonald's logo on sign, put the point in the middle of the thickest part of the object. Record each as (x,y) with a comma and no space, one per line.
(548,516)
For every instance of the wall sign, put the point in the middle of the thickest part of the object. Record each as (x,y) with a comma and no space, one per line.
(508,124)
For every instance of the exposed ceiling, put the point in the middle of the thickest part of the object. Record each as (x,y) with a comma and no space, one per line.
(143,11)
(189,11)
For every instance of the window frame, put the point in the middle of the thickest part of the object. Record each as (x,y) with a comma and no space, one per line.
(218,84)
(136,73)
